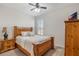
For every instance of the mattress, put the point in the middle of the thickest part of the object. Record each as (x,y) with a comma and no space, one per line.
(27,42)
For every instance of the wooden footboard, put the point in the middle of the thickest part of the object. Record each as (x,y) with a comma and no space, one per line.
(40,49)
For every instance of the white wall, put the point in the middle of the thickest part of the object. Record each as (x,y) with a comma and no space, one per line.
(54,21)
(10,17)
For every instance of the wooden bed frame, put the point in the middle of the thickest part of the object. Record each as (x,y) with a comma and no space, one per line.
(39,49)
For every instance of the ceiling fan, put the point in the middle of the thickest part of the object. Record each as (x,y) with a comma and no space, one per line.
(37,7)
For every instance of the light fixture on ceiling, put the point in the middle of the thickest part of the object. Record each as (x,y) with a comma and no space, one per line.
(37,7)
(37,10)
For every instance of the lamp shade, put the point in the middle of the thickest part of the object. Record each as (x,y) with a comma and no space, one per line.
(4,29)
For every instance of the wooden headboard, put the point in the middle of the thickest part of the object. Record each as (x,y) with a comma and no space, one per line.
(18,30)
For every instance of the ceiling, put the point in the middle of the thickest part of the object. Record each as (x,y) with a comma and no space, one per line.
(25,7)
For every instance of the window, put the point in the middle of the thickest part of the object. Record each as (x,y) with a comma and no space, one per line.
(40,26)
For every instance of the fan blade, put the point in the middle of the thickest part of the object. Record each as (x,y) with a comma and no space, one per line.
(32,9)
(43,7)
(31,4)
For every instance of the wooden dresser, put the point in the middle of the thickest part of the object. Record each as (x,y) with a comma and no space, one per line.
(72,38)
(6,45)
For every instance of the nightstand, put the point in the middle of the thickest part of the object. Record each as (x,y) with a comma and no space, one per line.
(6,45)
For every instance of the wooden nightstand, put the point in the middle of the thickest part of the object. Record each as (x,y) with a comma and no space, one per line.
(6,45)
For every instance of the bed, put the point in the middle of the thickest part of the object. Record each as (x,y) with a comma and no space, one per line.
(35,45)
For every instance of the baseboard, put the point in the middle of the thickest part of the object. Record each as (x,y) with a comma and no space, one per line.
(59,46)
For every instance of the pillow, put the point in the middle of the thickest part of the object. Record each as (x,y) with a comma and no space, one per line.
(26,33)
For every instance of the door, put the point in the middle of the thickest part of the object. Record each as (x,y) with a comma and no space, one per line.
(39,26)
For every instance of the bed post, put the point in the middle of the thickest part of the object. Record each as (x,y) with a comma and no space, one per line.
(52,42)
(15,31)
(35,49)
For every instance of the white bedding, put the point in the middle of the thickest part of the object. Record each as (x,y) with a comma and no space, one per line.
(27,41)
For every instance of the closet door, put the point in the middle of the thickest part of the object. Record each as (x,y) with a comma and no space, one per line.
(69,28)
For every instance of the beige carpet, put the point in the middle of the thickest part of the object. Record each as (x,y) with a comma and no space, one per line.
(56,52)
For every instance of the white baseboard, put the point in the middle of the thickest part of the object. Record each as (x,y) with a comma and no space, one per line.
(59,46)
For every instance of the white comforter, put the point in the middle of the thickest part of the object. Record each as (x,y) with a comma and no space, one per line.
(27,42)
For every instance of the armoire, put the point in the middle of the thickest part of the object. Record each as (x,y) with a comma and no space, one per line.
(72,38)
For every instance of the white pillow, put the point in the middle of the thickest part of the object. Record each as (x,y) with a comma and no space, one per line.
(26,33)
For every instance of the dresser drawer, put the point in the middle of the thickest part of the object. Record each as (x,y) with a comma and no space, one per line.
(6,43)
(9,42)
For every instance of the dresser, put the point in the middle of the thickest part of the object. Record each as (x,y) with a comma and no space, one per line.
(72,38)
(6,45)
